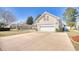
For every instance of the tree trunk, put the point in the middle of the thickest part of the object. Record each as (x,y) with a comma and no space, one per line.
(70,27)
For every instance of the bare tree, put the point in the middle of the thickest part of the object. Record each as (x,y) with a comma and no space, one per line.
(7,17)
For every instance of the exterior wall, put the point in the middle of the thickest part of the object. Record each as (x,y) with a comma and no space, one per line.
(51,20)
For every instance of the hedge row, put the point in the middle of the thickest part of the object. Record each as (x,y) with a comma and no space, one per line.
(4,29)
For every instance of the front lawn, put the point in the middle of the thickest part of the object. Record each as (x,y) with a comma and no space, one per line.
(71,34)
(13,32)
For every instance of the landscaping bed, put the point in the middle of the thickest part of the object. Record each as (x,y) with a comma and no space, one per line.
(74,36)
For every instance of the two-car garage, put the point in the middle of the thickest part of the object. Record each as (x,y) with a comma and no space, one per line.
(47,27)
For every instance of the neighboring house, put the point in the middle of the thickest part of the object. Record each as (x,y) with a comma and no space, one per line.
(65,27)
(24,26)
(77,22)
(48,22)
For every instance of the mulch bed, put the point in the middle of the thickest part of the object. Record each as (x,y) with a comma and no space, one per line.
(76,38)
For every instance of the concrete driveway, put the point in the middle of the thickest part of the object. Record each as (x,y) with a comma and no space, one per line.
(37,41)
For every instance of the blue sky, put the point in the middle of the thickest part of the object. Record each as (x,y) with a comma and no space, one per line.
(22,13)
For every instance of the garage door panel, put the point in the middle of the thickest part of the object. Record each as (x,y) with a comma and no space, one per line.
(47,28)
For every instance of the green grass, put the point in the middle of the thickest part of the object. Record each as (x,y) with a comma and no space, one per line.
(13,32)
(71,34)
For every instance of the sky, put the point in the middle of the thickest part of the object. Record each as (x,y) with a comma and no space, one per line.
(22,13)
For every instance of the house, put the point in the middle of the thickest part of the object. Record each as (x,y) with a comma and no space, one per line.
(77,22)
(48,22)
(65,26)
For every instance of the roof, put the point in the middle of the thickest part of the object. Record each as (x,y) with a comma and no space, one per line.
(38,18)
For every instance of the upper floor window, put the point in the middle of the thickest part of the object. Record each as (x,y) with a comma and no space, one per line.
(47,18)
(44,18)
(56,23)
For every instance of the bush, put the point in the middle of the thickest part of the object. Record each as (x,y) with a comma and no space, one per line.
(59,30)
(4,29)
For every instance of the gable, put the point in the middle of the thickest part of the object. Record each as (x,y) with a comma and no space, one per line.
(47,18)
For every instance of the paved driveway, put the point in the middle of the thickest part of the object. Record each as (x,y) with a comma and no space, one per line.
(36,41)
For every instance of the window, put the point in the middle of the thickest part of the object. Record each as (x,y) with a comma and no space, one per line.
(47,18)
(44,18)
(56,22)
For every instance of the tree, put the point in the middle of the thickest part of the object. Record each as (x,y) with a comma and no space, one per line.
(70,16)
(7,17)
(71,24)
(29,20)
(2,25)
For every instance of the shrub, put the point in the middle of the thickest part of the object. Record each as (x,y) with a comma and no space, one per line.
(59,30)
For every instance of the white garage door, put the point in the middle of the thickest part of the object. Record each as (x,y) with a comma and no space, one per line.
(47,27)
